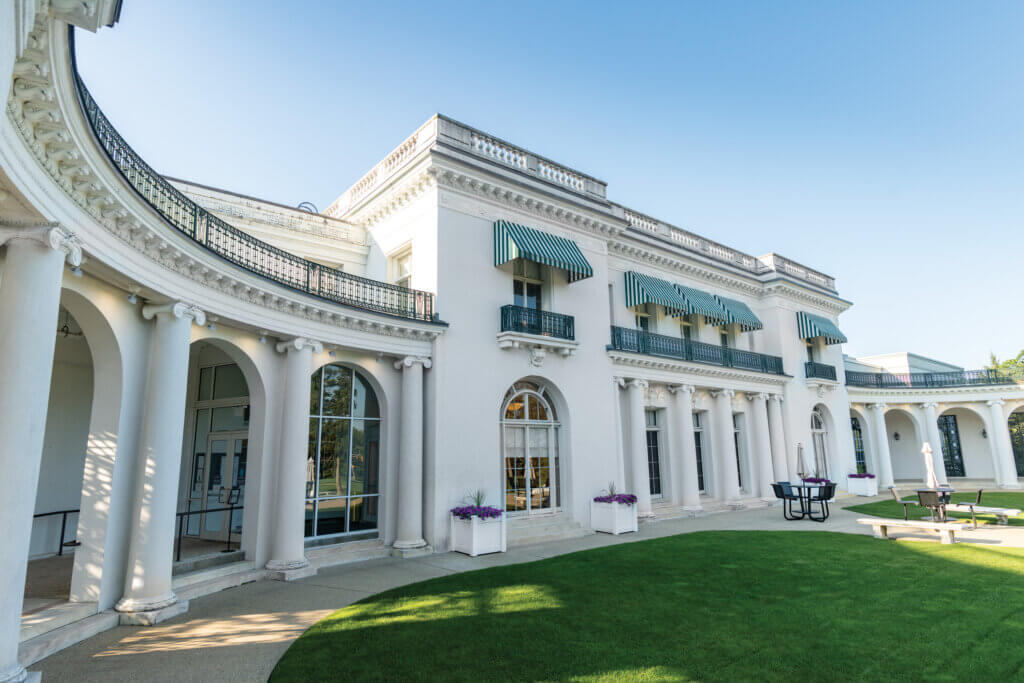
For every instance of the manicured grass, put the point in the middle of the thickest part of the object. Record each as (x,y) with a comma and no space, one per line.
(728,606)
(998,499)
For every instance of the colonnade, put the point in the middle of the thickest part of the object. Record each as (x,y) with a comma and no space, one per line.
(768,461)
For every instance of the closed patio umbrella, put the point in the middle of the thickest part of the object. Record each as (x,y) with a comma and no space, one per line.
(930,480)
(802,458)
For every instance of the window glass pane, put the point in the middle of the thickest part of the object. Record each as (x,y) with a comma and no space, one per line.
(537,409)
(310,513)
(515,469)
(653,463)
(230,418)
(332,479)
(696,420)
(337,390)
(363,513)
(531,269)
(651,417)
(205,384)
(199,452)
(330,516)
(365,457)
(314,431)
(314,393)
(515,409)
(517,292)
(532,295)
(364,401)
(229,382)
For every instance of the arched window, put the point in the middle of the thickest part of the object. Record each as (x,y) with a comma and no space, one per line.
(819,436)
(529,428)
(343,465)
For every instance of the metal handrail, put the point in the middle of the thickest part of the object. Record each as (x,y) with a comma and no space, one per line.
(230,509)
(238,247)
(638,341)
(63,527)
(885,380)
(532,321)
(813,369)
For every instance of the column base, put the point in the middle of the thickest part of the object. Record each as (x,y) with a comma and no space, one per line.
(127,604)
(291,574)
(408,553)
(287,565)
(154,616)
(1013,486)
(19,675)
(409,545)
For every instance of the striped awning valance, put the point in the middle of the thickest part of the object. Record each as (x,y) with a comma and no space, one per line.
(702,303)
(512,241)
(647,289)
(739,313)
(810,326)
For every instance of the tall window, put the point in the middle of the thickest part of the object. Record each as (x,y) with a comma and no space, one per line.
(952,455)
(527,284)
(653,454)
(819,436)
(810,353)
(401,268)
(530,450)
(698,442)
(736,429)
(1016,426)
(858,446)
(686,329)
(723,336)
(343,464)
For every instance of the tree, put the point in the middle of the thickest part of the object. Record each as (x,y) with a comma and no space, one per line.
(1012,366)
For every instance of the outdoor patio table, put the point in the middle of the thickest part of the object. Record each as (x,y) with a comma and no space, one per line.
(804,491)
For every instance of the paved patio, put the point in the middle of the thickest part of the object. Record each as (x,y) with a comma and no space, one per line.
(240,633)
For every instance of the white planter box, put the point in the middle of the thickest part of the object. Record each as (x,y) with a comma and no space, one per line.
(476,536)
(862,486)
(612,518)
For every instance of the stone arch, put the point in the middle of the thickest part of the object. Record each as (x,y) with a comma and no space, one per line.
(905,452)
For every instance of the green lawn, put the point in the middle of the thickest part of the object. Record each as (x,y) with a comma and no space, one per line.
(729,606)
(999,499)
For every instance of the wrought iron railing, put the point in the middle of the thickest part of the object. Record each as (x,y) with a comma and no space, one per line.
(885,380)
(231,509)
(240,248)
(532,321)
(814,370)
(638,341)
(63,528)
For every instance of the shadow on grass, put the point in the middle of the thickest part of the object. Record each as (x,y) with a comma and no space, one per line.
(717,605)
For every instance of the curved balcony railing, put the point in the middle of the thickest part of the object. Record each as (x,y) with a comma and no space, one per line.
(885,380)
(638,341)
(240,248)
(814,370)
(532,321)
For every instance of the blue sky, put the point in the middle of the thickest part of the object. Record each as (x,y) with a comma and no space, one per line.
(880,142)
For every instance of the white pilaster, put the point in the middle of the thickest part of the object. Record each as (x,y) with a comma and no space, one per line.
(619,383)
(638,446)
(762,444)
(410,458)
(1002,451)
(287,547)
(686,483)
(883,459)
(151,545)
(777,434)
(29,305)
(727,471)
(931,425)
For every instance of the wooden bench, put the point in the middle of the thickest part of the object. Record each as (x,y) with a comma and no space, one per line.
(947,530)
(1002,515)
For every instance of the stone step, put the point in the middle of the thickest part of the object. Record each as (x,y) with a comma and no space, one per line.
(543,529)
(32,650)
(344,553)
(207,581)
(61,614)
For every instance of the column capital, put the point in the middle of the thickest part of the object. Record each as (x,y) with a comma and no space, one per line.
(728,393)
(682,389)
(637,383)
(177,309)
(878,406)
(298,344)
(620,382)
(995,402)
(762,396)
(409,361)
(930,404)
(50,234)
(778,398)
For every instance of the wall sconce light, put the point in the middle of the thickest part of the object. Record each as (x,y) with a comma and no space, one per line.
(895,436)
(984,433)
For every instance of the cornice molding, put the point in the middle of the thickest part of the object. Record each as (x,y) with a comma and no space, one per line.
(922,394)
(709,371)
(34,109)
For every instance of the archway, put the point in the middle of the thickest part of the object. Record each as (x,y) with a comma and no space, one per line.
(530,449)
(966,443)
(905,436)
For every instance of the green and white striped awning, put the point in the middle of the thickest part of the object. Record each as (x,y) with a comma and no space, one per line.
(698,301)
(739,313)
(647,289)
(512,241)
(810,326)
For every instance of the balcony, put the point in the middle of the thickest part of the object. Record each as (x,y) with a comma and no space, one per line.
(638,341)
(814,370)
(885,380)
(538,332)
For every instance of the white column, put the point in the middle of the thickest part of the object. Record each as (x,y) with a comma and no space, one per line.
(29,305)
(638,446)
(151,545)
(287,546)
(777,435)
(410,458)
(726,473)
(883,459)
(1002,451)
(762,443)
(687,483)
(931,425)
(620,482)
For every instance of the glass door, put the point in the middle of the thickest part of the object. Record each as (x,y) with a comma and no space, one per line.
(528,484)
(227,459)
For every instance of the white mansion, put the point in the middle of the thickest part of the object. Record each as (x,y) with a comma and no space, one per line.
(303,389)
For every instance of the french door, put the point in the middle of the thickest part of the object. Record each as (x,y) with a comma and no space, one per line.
(529,488)
(222,481)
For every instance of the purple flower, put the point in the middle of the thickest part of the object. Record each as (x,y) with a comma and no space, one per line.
(481,511)
(817,480)
(863,475)
(622,498)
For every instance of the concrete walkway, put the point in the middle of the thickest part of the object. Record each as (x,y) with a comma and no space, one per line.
(240,633)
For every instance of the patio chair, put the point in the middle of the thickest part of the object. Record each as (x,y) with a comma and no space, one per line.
(906,503)
(784,493)
(824,494)
(969,504)
(933,500)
